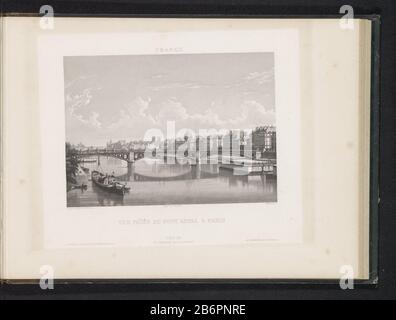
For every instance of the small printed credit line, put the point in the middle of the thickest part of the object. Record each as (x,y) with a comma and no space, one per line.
(199,309)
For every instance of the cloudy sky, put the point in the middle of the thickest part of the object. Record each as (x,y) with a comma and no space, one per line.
(121,97)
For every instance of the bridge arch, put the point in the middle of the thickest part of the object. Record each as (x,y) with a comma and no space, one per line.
(126,155)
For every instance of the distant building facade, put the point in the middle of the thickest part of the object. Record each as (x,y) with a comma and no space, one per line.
(264,142)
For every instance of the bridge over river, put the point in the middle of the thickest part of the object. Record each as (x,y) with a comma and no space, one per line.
(240,165)
(129,156)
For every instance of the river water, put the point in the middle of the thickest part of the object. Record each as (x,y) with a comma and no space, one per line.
(153,183)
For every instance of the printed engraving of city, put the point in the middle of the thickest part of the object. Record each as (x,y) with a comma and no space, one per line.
(170,129)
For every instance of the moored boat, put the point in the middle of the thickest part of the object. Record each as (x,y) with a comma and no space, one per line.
(103,181)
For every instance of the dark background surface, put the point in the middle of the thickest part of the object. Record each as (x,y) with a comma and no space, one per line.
(386,287)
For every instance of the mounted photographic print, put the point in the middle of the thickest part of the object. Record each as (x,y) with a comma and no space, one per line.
(170,139)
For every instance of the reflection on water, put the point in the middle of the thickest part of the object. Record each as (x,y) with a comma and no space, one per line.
(155,183)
